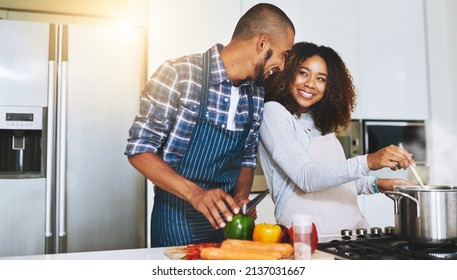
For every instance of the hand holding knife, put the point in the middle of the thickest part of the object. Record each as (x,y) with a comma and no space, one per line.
(246,207)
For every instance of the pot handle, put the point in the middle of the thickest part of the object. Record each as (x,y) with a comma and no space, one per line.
(397,196)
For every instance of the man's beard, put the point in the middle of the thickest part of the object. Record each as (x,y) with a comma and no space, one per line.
(260,69)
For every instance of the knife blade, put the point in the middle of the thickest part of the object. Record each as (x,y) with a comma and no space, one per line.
(256,200)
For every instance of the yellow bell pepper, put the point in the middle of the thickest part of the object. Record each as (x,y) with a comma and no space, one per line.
(265,232)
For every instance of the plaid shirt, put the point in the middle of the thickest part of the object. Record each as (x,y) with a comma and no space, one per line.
(170,105)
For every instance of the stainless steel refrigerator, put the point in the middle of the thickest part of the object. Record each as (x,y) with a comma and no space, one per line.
(68,95)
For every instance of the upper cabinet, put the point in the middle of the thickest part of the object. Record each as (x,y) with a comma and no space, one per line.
(392,60)
(324,23)
(382,43)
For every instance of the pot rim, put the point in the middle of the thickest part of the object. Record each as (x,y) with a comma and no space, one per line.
(426,188)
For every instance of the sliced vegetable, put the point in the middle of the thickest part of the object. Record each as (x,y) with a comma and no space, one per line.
(193,250)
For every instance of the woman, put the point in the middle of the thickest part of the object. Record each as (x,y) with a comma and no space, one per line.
(302,159)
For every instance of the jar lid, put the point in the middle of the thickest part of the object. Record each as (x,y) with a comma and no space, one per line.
(302,220)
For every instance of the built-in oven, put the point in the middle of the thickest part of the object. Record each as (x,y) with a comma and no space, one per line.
(411,135)
(368,136)
(352,139)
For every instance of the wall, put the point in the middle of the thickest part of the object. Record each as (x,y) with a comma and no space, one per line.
(76,11)
(180,27)
(441,25)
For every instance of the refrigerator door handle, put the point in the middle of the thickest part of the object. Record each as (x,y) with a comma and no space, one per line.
(61,168)
(50,156)
(63,150)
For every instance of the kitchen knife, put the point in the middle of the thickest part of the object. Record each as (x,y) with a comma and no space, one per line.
(246,207)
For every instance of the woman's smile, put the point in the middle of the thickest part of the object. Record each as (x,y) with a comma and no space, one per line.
(306,94)
(310,82)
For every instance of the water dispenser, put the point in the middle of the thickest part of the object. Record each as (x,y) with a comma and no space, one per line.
(22,142)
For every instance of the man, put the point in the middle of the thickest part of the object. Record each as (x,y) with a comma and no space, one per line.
(196,136)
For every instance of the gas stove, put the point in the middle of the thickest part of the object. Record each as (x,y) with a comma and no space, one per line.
(379,244)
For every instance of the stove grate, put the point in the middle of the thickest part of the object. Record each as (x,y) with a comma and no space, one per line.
(386,248)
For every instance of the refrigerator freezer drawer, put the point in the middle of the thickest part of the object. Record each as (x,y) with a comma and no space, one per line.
(22,204)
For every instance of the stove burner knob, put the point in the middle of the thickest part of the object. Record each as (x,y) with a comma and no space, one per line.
(389,230)
(376,231)
(361,232)
(346,233)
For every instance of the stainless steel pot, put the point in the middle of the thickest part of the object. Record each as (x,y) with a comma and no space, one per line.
(425,215)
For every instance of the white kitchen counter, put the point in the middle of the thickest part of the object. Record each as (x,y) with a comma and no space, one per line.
(130,254)
(135,254)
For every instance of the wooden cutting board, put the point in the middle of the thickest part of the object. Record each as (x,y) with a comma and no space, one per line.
(175,253)
(178,252)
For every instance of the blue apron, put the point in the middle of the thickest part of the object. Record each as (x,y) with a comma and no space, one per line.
(212,160)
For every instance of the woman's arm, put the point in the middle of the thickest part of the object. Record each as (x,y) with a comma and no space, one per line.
(287,143)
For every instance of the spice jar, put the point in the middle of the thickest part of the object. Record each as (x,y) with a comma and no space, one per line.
(302,225)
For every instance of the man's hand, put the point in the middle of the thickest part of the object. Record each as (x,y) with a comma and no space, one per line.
(213,203)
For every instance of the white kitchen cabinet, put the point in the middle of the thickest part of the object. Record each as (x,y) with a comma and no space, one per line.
(382,44)
(325,24)
(394,81)
(359,36)
(392,60)
(378,210)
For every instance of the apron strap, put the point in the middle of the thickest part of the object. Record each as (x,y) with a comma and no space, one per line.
(206,74)
(205,81)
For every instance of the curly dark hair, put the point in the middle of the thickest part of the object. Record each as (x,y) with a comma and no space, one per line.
(333,111)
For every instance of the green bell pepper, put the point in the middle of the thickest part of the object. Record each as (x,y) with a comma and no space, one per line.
(241,227)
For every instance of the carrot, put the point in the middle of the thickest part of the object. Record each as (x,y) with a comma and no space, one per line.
(228,246)
(285,249)
(228,254)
